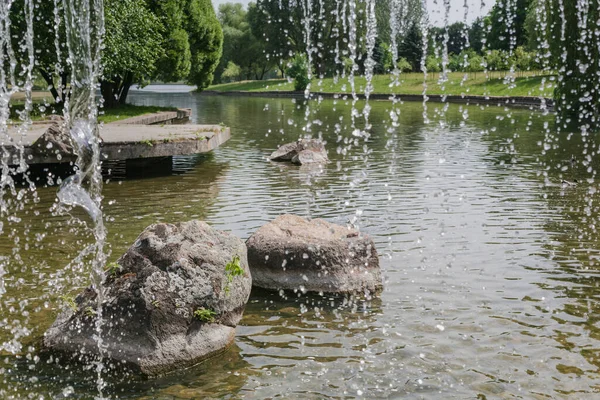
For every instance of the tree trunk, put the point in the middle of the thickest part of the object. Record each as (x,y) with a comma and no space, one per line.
(48,78)
(127,82)
(107,89)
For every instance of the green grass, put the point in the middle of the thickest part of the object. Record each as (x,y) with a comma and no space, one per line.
(526,84)
(108,115)
(42,110)
(251,86)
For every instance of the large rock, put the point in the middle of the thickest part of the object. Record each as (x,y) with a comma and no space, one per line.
(293,253)
(302,152)
(173,300)
(54,141)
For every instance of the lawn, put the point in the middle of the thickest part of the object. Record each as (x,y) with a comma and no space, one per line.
(458,83)
(42,109)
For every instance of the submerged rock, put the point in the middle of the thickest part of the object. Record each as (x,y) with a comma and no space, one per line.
(293,253)
(172,300)
(302,152)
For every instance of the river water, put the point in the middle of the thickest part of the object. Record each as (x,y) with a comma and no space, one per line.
(490,262)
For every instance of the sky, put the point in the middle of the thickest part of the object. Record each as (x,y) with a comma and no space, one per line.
(435,9)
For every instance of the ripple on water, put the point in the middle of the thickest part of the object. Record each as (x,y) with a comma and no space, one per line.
(490,275)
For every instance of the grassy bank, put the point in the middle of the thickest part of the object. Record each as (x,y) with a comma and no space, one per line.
(412,83)
(42,109)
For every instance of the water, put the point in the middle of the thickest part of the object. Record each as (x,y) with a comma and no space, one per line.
(489,260)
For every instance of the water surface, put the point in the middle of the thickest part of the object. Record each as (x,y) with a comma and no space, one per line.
(490,262)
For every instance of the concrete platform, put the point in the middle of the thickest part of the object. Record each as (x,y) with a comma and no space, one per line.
(126,142)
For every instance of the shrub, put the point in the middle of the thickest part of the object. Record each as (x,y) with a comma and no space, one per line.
(298,70)
(232,72)
(403,65)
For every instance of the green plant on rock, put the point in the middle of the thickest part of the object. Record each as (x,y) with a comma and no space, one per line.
(112,269)
(69,301)
(90,312)
(147,142)
(205,315)
(232,269)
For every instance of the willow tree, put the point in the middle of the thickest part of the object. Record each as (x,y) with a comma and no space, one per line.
(574,38)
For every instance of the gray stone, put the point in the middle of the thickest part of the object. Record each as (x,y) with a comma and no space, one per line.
(304,151)
(54,141)
(285,152)
(310,157)
(293,253)
(151,296)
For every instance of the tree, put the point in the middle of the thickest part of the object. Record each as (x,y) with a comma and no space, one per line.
(50,62)
(131,48)
(411,48)
(476,35)
(507,24)
(281,25)
(240,45)
(206,42)
(577,96)
(232,72)
(407,12)
(144,39)
(298,71)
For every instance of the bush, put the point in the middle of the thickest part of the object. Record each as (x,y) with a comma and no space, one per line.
(232,72)
(433,64)
(403,65)
(298,71)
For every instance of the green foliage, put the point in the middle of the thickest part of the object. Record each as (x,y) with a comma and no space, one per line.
(383,57)
(205,315)
(232,72)
(577,97)
(497,60)
(69,301)
(433,64)
(298,70)
(133,41)
(206,42)
(411,47)
(475,63)
(507,16)
(232,269)
(403,65)
(240,45)
(112,268)
(147,142)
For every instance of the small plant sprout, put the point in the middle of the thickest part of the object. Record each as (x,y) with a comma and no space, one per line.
(156,304)
(232,269)
(90,312)
(69,301)
(147,142)
(205,315)
(113,268)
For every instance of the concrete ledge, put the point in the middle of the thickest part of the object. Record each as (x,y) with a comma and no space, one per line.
(125,142)
(180,116)
(512,101)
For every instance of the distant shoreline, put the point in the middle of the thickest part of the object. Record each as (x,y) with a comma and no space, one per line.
(511,101)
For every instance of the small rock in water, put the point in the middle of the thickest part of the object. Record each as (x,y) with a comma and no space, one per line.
(318,256)
(304,151)
(172,300)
